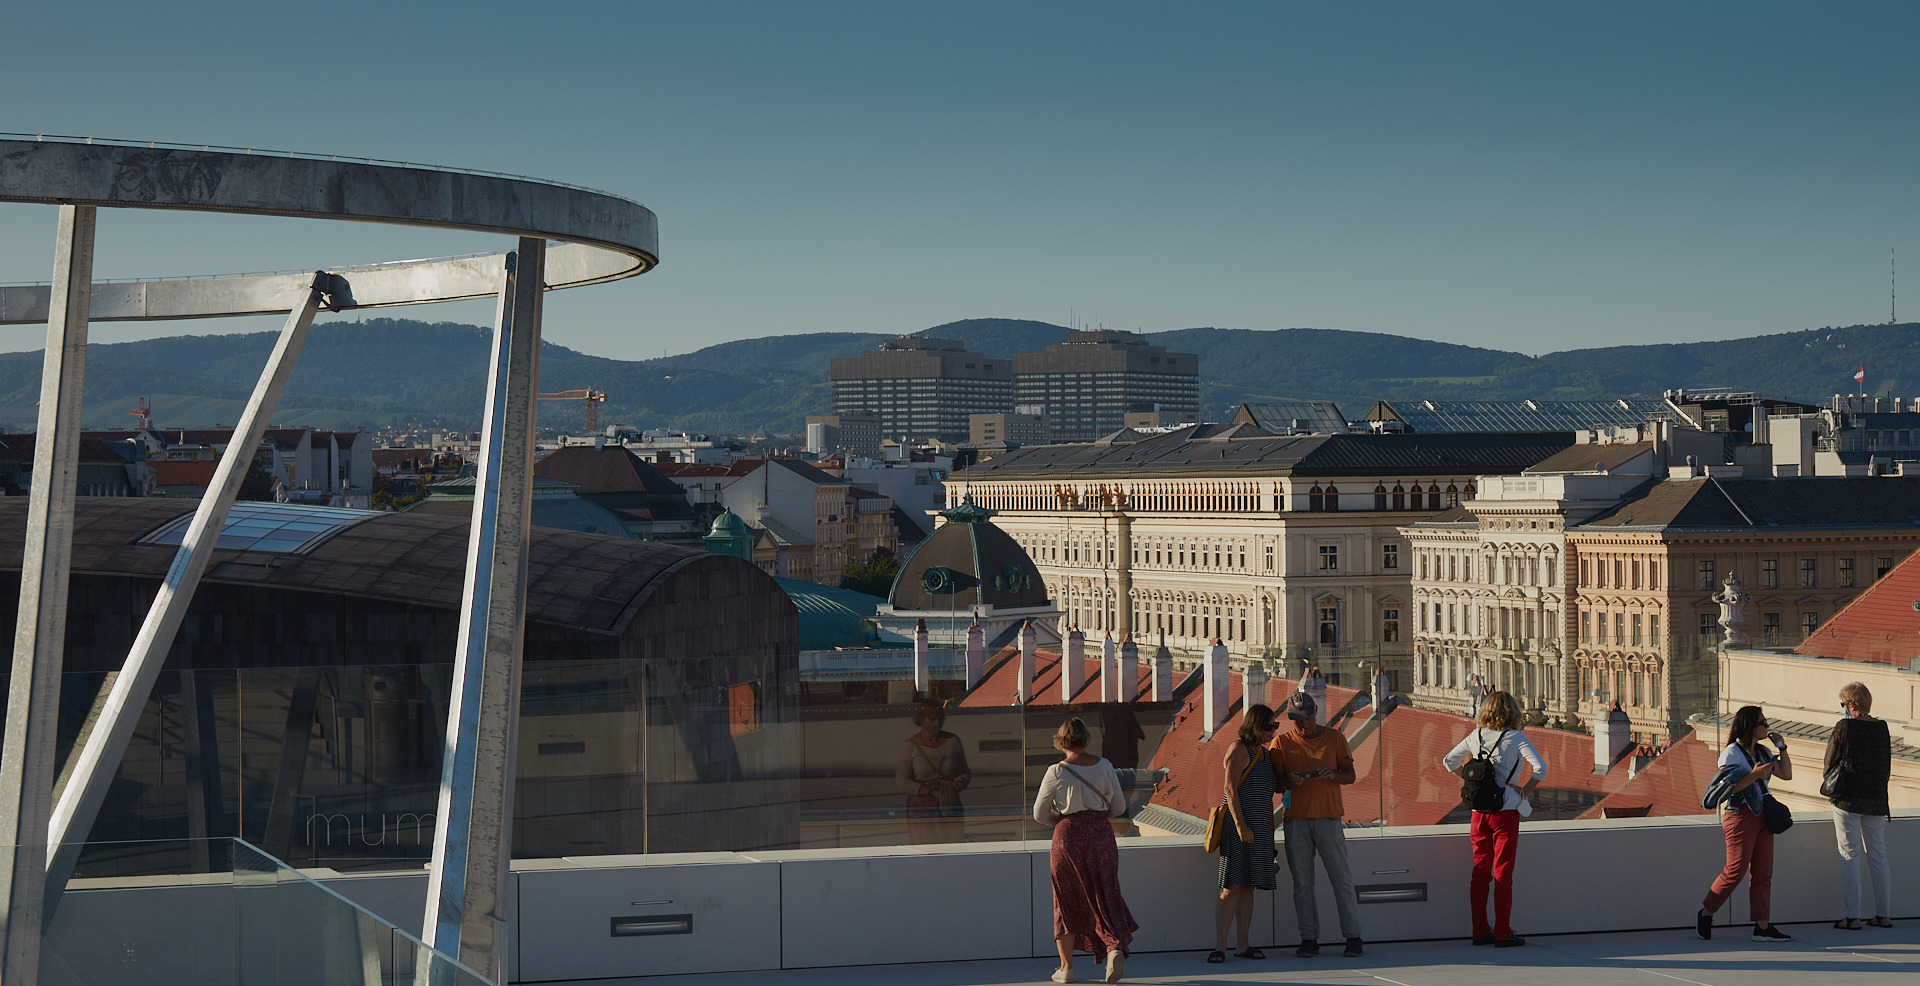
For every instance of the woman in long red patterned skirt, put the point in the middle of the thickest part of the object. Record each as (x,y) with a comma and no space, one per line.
(1077,796)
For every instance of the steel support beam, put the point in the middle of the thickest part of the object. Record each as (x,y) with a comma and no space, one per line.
(27,765)
(98,759)
(473,842)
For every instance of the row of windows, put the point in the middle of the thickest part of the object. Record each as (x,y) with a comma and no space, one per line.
(1845,574)
(1399,498)
(1511,569)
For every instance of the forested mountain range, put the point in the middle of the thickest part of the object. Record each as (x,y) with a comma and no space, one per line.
(385,371)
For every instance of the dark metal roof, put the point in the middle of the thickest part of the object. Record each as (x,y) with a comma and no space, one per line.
(580,580)
(1317,417)
(1496,416)
(1591,458)
(1857,502)
(1191,452)
(977,563)
(611,469)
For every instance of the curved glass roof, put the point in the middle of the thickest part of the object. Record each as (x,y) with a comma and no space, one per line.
(293,528)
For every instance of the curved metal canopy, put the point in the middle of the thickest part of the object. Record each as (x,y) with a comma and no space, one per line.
(602,237)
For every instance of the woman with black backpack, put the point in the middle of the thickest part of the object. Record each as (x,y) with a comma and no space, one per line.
(1488,760)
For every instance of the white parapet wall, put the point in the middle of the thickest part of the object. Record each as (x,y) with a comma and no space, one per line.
(835,907)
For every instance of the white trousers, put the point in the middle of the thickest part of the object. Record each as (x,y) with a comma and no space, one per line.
(1866,835)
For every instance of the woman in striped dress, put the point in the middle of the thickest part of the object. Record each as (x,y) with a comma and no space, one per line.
(1246,849)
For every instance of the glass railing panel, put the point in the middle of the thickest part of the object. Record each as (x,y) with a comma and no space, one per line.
(138,913)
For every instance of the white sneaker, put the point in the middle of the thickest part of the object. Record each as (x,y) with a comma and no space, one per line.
(1116,965)
(1062,976)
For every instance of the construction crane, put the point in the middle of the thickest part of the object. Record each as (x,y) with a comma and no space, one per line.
(593,398)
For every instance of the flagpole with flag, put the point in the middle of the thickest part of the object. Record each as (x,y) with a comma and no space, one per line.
(1860,377)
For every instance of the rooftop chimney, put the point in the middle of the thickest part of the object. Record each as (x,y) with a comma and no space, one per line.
(1073,665)
(1128,672)
(1254,691)
(1163,671)
(922,669)
(1612,735)
(1023,686)
(1315,685)
(1109,671)
(976,655)
(1219,693)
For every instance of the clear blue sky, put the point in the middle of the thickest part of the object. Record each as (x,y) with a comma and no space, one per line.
(1522,176)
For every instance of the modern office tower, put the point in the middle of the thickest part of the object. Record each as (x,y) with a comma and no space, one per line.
(1089,382)
(922,388)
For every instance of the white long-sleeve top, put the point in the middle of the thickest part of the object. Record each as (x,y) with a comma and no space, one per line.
(1506,751)
(1070,788)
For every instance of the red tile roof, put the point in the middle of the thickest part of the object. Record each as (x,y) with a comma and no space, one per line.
(1670,785)
(1880,626)
(198,473)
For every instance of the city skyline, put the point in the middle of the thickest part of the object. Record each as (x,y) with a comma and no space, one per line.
(1489,175)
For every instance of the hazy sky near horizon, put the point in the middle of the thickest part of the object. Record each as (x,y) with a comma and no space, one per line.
(1531,177)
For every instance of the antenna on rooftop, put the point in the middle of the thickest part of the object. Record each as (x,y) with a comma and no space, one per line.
(1893,282)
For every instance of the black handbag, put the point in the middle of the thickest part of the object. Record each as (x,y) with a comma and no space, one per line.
(1776,816)
(1834,786)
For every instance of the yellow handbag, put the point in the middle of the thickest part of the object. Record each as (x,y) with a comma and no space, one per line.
(1220,817)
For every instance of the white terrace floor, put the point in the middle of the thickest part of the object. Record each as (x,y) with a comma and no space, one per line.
(1819,955)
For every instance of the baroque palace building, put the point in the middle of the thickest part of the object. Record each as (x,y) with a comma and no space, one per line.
(1281,546)
(1590,577)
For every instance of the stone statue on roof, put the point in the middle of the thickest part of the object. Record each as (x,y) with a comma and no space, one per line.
(1733,598)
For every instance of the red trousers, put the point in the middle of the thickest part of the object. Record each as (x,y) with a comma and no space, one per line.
(1749,854)
(1496,837)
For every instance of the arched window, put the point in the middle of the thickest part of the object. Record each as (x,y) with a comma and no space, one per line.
(1315,500)
(1453,495)
(1333,498)
(1400,497)
(1380,497)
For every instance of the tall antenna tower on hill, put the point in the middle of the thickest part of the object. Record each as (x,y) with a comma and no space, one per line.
(1893,282)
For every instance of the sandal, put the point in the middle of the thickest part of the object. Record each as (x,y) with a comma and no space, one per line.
(1848,924)
(1216,956)
(1881,922)
(1251,953)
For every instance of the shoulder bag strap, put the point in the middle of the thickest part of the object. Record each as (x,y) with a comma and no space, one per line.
(1082,778)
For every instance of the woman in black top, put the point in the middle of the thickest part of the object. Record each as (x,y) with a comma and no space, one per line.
(1246,847)
(1862,749)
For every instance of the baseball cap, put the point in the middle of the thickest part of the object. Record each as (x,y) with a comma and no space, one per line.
(1300,706)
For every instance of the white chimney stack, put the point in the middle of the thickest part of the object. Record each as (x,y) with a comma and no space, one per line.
(1219,690)
(1023,687)
(1315,685)
(922,661)
(1163,671)
(1128,671)
(1109,671)
(1255,692)
(976,655)
(1612,734)
(1073,665)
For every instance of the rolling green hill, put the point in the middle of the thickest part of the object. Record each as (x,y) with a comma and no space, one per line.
(383,372)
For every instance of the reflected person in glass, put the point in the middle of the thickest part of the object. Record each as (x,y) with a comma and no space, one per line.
(932,771)
(1076,798)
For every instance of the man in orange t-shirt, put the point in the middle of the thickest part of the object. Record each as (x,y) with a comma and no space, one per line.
(1315,761)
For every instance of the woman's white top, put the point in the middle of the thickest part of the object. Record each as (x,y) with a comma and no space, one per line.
(1070,788)
(1506,751)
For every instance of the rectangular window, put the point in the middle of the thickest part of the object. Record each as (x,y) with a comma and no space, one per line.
(1269,557)
(1619,629)
(1770,573)
(1770,626)
(1453,618)
(1636,629)
(1423,618)
(1709,625)
(1389,625)
(1653,629)
(1807,576)
(1846,573)
(1390,556)
(1653,689)
(1586,628)
(1653,575)
(1586,572)
(1329,557)
(1704,573)
(1881,566)
(1636,688)
(1809,622)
